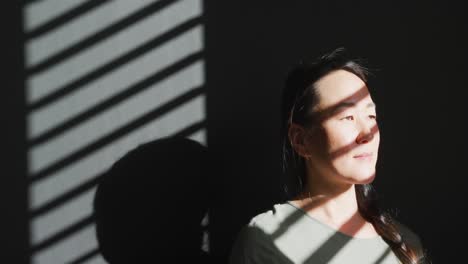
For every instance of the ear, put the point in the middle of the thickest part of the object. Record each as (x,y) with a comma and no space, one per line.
(298,139)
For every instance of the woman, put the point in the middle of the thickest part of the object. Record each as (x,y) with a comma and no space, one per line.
(331,141)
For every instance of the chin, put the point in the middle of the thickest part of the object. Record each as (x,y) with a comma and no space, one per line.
(362,177)
(368,179)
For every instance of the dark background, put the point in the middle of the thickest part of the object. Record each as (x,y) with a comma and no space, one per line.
(418,53)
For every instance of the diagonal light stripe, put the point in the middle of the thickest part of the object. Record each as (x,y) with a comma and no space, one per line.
(97,37)
(199,136)
(64,180)
(64,18)
(65,197)
(40,12)
(121,132)
(51,151)
(91,257)
(101,53)
(195,131)
(70,249)
(113,83)
(61,217)
(114,64)
(40,48)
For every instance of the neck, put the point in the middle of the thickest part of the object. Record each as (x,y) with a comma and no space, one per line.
(336,207)
(333,205)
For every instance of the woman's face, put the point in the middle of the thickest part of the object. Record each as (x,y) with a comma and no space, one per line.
(345,140)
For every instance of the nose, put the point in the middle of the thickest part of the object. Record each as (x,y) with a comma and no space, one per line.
(366,132)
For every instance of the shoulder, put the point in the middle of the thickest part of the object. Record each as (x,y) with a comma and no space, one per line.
(255,241)
(271,220)
(263,228)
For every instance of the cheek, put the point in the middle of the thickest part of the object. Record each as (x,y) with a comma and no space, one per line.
(376,139)
(341,140)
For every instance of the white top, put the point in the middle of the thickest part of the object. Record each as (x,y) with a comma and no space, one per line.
(287,234)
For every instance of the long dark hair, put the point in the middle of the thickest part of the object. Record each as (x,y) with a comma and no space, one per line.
(298,98)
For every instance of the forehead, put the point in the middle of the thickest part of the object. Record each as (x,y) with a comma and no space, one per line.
(341,86)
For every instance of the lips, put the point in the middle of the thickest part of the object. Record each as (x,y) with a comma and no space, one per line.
(363,155)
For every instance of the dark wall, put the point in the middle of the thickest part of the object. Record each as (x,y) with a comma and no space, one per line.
(418,59)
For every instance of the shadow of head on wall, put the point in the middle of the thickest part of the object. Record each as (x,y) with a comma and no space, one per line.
(150,204)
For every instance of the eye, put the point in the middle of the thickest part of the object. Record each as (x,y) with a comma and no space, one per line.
(350,118)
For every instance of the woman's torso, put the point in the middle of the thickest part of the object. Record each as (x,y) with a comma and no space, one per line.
(286,234)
